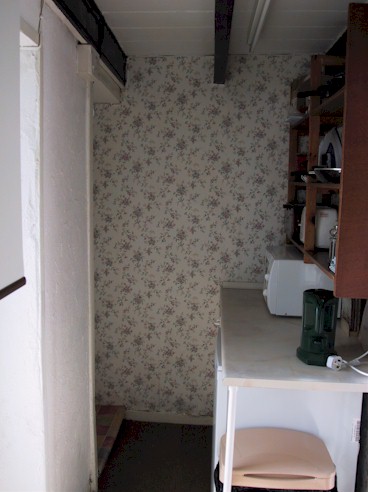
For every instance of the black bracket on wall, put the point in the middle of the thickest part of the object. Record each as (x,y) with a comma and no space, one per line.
(223,18)
(12,287)
(88,20)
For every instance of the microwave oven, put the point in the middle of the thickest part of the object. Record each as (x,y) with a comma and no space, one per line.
(287,277)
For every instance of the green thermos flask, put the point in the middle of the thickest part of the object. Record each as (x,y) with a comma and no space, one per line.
(319,326)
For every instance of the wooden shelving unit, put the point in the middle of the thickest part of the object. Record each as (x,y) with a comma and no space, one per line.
(347,107)
(319,258)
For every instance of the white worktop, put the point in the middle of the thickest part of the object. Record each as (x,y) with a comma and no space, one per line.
(259,349)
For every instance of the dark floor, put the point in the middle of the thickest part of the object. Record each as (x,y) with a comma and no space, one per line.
(153,457)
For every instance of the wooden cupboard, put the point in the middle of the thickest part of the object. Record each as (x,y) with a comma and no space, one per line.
(346,107)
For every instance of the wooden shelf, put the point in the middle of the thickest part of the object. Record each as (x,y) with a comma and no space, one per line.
(319,186)
(327,121)
(332,106)
(326,186)
(348,106)
(289,205)
(319,258)
(302,124)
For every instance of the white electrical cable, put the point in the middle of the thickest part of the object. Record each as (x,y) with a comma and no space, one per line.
(336,363)
(355,362)
(358,370)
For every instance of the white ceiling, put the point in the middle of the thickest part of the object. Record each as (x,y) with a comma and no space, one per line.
(186,27)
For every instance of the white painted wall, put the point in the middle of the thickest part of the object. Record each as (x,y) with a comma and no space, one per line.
(22,443)
(65,226)
(46,330)
(11,254)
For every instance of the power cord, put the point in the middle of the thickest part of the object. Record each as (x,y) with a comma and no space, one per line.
(336,363)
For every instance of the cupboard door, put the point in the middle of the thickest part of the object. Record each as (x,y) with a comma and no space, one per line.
(351,277)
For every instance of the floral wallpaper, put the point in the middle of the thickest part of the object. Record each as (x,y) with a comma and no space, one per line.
(190,178)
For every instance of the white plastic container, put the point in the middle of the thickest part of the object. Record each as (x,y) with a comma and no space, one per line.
(326,219)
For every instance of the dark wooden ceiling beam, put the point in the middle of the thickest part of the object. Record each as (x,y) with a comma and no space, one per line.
(223,19)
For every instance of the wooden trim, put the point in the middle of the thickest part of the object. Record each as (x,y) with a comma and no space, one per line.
(314,121)
(12,287)
(310,214)
(223,19)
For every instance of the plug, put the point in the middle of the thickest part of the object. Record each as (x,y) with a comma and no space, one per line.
(334,362)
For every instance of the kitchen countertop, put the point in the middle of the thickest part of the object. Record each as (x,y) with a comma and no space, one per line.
(259,349)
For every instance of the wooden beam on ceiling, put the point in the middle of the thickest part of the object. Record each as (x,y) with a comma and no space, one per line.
(223,19)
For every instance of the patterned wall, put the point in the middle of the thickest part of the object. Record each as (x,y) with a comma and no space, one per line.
(190,179)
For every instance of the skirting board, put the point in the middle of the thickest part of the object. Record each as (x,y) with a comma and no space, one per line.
(167,418)
(241,285)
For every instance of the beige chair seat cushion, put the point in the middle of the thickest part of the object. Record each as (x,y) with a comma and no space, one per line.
(280,459)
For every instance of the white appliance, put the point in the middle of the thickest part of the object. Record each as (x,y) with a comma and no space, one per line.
(287,277)
(326,219)
(330,149)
